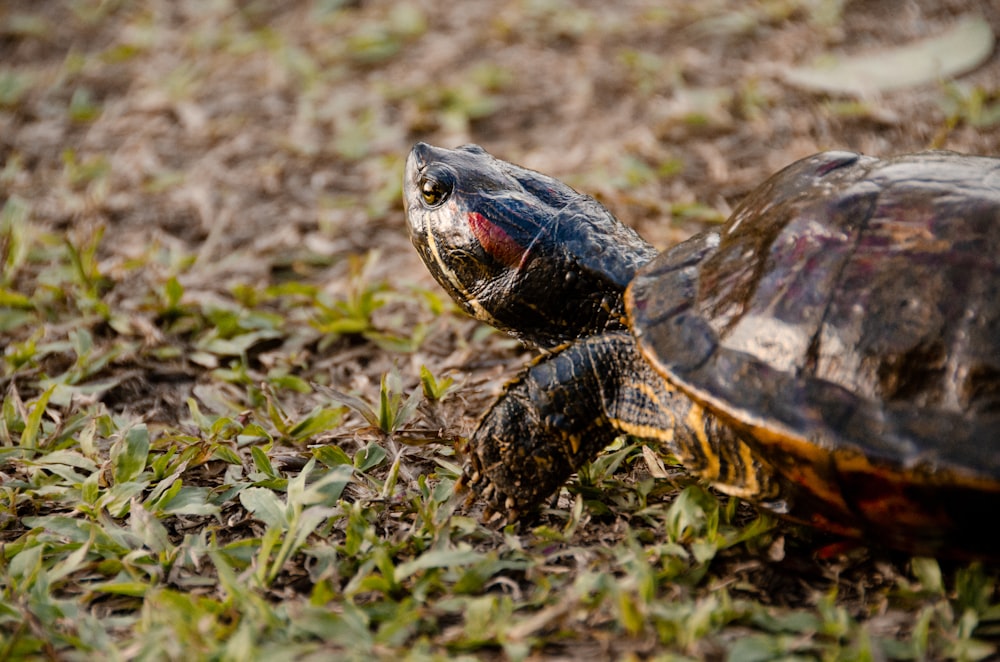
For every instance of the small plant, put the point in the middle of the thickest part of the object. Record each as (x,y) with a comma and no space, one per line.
(319,420)
(79,174)
(13,87)
(434,389)
(976,106)
(352,315)
(292,522)
(82,107)
(394,409)
(14,238)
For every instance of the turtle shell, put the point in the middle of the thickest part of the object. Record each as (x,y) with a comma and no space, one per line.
(846,320)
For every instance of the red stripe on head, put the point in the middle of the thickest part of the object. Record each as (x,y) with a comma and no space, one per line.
(495,241)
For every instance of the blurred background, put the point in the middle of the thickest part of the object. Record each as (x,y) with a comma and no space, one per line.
(278,130)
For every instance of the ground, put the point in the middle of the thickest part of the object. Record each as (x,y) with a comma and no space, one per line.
(233,395)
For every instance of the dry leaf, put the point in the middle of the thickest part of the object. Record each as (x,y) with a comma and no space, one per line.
(959,50)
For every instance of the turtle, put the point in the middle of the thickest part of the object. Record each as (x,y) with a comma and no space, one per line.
(830,353)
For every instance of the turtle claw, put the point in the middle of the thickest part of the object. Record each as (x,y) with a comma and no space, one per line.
(491,516)
(498,505)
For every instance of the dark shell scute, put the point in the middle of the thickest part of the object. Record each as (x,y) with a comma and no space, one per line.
(851,302)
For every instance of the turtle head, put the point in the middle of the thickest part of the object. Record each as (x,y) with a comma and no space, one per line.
(517,249)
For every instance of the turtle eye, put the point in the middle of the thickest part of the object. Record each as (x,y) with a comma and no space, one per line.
(434,192)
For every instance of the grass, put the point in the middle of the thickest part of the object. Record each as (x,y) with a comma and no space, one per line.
(250,527)
(232,399)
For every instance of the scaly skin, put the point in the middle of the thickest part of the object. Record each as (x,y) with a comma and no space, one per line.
(527,254)
(569,405)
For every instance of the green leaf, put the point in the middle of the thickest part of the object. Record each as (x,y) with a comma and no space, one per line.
(265,506)
(434,390)
(331,455)
(317,421)
(369,457)
(757,648)
(134,589)
(129,454)
(928,572)
(153,534)
(261,461)
(166,489)
(29,438)
(189,500)
(118,497)
(290,383)
(13,86)
(327,489)
(687,517)
(227,455)
(25,564)
(82,107)
(349,626)
(355,403)
(393,411)
(304,525)
(69,565)
(11,299)
(438,558)
(69,458)
(173,292)
(630,613)
(90,490)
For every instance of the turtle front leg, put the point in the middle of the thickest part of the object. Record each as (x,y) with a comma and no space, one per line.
(569,405)
(551,419)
